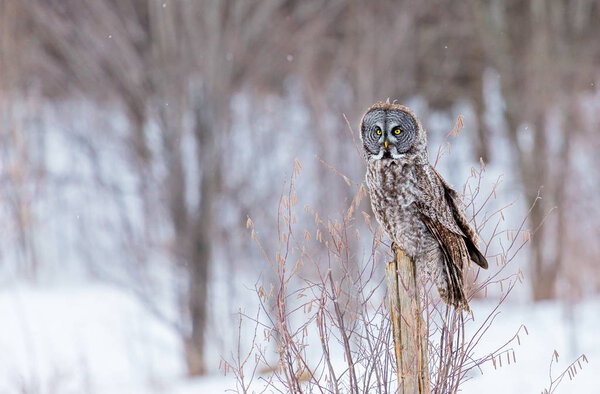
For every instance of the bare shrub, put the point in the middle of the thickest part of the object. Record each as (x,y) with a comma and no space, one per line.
(571,370)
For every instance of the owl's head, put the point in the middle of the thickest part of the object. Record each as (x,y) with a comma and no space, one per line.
(391,131)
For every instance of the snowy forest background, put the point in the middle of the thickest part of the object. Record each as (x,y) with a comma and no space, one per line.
(138,136)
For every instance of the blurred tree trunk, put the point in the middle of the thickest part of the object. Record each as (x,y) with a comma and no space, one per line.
(18,160)
(482,150)
(202,229)
(534,174)
(570,127)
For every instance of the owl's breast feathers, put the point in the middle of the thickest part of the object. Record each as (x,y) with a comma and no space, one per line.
(393,188)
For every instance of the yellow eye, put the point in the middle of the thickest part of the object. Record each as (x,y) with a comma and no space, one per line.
(397,131)
(378,131)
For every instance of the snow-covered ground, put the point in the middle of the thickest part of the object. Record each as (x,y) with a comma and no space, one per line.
(97,339)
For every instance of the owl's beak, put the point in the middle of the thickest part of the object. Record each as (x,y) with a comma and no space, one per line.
(385,144)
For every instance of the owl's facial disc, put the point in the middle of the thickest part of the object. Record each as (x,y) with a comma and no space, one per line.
(388,134)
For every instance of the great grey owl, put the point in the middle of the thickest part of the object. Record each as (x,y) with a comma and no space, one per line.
(418,210)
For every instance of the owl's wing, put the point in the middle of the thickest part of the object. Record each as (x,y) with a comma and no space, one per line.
(455,256)
(444,209)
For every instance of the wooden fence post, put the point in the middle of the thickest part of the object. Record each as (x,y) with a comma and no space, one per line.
(408,327)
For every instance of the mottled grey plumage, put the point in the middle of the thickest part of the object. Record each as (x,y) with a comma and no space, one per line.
(412,202)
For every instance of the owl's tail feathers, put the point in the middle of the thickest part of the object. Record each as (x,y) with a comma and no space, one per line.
(450,285)
(453,294)
(456,301)
(476,256)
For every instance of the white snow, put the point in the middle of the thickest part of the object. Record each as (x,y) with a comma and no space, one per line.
(98,339)
(550,328)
